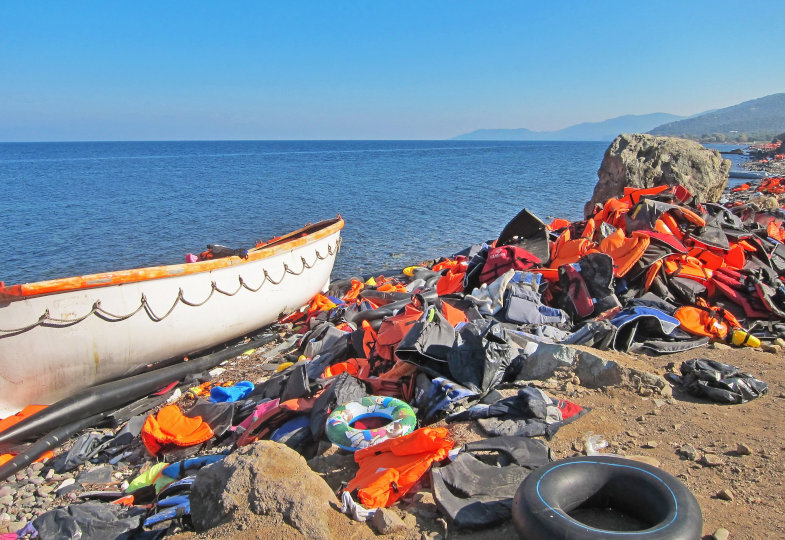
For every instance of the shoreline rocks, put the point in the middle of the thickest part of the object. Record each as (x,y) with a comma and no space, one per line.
(642,161)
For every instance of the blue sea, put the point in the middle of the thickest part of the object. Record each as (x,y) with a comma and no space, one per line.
(78,208)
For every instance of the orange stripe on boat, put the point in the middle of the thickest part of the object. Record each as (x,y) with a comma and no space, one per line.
(287,242)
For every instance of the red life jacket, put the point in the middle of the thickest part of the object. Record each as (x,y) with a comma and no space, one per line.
(501,259)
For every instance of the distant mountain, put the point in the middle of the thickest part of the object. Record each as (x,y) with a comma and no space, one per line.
(606,130)
(759,119)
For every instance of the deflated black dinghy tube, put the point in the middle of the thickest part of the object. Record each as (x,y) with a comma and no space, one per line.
(109,396)
(43,445)
(381,298)
(372,315)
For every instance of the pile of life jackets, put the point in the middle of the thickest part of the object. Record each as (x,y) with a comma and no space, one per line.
(652,270)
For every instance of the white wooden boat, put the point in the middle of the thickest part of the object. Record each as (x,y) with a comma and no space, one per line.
(60,336)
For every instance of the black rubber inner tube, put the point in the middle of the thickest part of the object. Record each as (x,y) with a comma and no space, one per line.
(656,505)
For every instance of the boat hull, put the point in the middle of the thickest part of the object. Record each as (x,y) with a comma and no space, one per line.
(141,323)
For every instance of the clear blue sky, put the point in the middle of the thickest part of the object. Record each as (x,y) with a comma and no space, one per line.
(138,70)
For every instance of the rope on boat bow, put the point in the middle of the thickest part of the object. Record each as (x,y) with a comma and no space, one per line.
(47,320)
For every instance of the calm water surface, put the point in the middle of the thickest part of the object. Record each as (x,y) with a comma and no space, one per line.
(77,208)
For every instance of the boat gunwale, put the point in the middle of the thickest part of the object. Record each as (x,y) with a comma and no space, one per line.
(287,242)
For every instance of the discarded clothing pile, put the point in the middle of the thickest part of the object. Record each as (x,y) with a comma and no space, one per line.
(720,382)
(377,359)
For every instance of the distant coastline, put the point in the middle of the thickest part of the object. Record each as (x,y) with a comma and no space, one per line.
(751,121)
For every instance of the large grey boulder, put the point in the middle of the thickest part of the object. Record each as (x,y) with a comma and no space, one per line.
(266,487)
(544,362)
(642,161)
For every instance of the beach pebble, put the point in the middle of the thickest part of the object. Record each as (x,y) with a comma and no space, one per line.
(410,520)
(44,491)
(50,474)
(5,518)
(66,482)
(37,466)
(711,460)
(721,534)
(743,450)
(67,485)
(725,495)
(5,491)
(15,526)
(26,501)
(650,444)
(424,505)
(688,452)
(386,521)
(97,475)
(7,501)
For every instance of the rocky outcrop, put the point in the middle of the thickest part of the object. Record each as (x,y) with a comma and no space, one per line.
(264,487)
(642,161)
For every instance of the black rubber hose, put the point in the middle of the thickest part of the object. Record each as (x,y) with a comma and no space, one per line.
(112,395)
(44,444)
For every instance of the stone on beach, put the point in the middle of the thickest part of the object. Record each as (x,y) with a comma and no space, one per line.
(642,161)
(265,484)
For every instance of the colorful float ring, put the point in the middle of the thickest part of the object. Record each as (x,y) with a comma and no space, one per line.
(339,424)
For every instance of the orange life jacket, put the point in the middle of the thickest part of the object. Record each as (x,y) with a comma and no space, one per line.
(736,257)
(448,263)
(775,231)
(624,251)
(566,251)
(688,267)
(14,419)
(452,281)
(453,315)
(670,223)
(320,303)
(613,212)
(710,260)
(357,367)
(354,291)
(388,470)
(171,426)
(391,287)
(634,195)
(704,319)
(393,329)
(370,339)
(557,224)
(588,230)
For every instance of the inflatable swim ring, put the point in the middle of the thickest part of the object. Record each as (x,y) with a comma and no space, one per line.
(548,498)
(339,424)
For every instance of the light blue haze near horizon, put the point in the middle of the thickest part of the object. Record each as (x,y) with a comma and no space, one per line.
(371,70)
